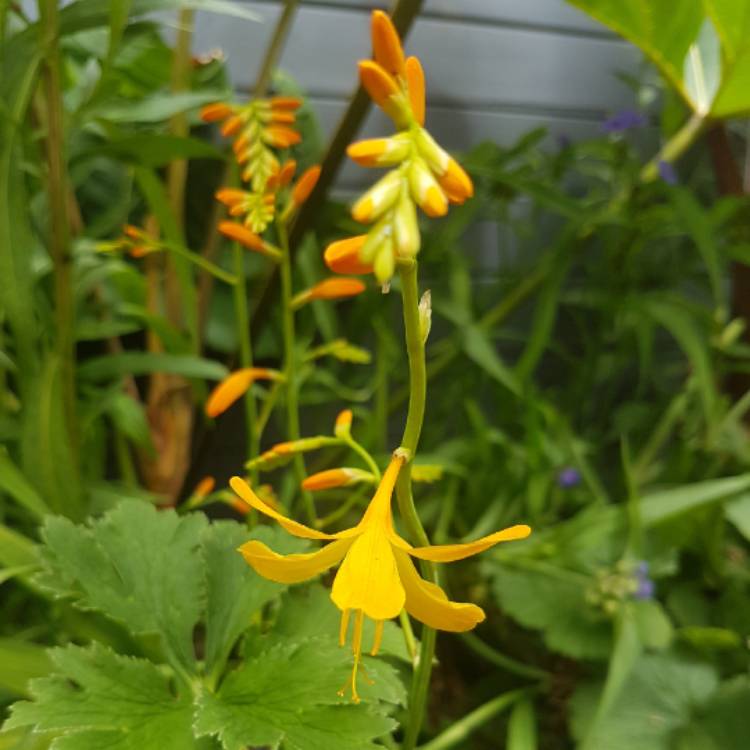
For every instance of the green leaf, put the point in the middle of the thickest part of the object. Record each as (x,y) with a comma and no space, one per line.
(156,108)
(288,694)
(654,627)
(16,485)
(101,699)
(234,591)
(738,513)
(481,351)
(702,69)
(554,601)
(136,565)
(16,550)
(157,149)
(659,697)
(724,722)
(142,363)
(22,661)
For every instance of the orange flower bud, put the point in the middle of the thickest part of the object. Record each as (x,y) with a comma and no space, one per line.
(204,487)
(285,102)
(139,251)
(326,480)
(230,196)
(343,256)
(343,426)
(456,183)
(380,152)
(231,126)
(286,172)
(281,136)
(282,116)
(241,506)
(415,87)
(333,288)
(305,185)
(234,386)
(378,83)
(386,45)
(215,112)
(379,198)
(425,190)
(242,235)
(134,233)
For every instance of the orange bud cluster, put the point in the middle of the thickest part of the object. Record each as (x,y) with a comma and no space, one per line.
(422,173)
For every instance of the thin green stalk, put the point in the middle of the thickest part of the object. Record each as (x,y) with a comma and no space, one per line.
(59,228)
(674,147)
(409,640)
(199,261)
(290,367)
(364,454)
(409,441)
(246,351)
(493,656)
(464,727)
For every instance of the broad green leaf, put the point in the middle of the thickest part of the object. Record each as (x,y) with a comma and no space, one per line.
(17,486)
(136,565)
(102,699)
(654,627)
(554,602)
(142,363)
(724,722)
(234,591)
(702,69)
(287,696)
(21,661)
(658,698)
(738,512)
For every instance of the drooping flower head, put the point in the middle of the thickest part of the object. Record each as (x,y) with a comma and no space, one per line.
(377,578)
(422,173)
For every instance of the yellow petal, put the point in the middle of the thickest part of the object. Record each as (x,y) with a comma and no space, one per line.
(451,552)
(415,84)
(368,579)
(386,45)
(242,488)
(429,604)
(292,568)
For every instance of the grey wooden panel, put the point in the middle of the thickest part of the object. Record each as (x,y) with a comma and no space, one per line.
(466,64)
(554,14)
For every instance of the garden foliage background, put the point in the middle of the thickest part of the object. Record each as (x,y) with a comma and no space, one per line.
(594,385)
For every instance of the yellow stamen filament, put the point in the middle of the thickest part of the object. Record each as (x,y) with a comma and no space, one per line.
(357,650)
(344,626)
(377,640)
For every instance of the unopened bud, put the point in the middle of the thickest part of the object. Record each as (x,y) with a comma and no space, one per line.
(343,426)
(425,315)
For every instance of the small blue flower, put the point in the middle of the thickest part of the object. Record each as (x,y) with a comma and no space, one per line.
(646,590)
(563,141)
(627,119)
(668,173)
(568,477)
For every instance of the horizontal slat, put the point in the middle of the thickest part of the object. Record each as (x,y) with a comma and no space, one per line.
(466,64)
(542,14)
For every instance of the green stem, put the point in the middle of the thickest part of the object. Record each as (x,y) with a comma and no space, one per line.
(459,731)
(493,656)
(290,367)
(409,441)
(674,147)
(364,454)
(199,261)
(59,228)
(246,351)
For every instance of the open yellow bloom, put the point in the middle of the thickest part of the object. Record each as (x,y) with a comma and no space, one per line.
(377,578)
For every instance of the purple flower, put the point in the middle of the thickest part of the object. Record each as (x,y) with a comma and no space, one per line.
(646,589)
(568,477)
(626,119)
(668,173)
(563,141)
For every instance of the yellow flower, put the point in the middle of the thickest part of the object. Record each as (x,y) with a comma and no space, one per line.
(377,578)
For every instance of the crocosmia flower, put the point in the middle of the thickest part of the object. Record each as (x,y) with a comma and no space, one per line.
(377,577)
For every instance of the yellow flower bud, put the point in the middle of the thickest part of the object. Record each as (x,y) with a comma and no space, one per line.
(406,237)
(436,157)
(425,189)
(385,262)
(378,199)
(343,426)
